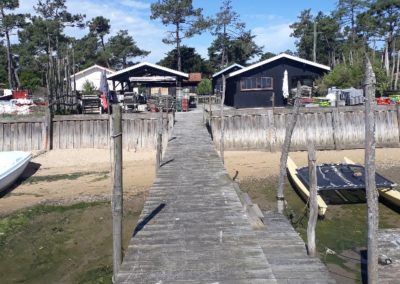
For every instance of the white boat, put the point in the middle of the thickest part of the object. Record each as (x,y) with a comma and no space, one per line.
(12,165)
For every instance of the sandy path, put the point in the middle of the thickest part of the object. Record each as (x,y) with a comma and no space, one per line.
(93,183)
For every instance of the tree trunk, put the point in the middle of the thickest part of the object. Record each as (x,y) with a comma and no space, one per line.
(103,46)
(222,142)
(315,42)
(370,184)
(312,221)
(397,71)
(17,81)
(351,61)
(387,60)
(9,56)
(393,65)
(291,123)
(178,47)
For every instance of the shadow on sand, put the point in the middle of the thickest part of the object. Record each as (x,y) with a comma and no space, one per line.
(30,170)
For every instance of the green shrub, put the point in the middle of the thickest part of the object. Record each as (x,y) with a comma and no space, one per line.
(88,89)
(204,87)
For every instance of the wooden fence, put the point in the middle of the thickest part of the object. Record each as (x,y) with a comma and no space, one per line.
(329,128)
(81,131)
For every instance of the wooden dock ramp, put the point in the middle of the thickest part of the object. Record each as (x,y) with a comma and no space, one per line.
(194,229)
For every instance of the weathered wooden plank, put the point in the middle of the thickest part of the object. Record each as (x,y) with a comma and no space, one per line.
(91,134)
(28,137)
(37,136)
(14,136)
(2,137)
(70,134)
(77,134)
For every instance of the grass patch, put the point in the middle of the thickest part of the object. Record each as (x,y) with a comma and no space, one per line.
(61,244)
(71,176)
(100,178)
(25,194)
(98,275)
(13,222)
(343,230)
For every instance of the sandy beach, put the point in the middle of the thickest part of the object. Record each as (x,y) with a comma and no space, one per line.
(70,176)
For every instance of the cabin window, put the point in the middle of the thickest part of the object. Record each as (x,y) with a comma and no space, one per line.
(256,83)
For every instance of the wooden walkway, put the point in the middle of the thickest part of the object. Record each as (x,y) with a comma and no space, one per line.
(193,228)
(389,247)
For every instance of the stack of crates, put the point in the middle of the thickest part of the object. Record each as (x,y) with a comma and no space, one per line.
(353,96)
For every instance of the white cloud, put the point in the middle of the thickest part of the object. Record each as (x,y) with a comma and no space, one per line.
(274,38)
(134,4)
(130,15)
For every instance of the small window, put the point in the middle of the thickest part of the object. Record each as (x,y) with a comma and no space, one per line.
(256,83)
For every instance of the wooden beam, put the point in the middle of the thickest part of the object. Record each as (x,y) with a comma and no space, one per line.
(291,123)
(117,191)
(221,142)
(159,138)
(370,183)
(312,220)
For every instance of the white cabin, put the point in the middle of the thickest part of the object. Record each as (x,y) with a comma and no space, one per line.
(93,75)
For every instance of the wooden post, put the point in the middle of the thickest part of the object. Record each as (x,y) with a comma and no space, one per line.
(167,111)
(398,119)
(117,191)
(209,108)
(273,100)
(49,130)
(221,142)
(291,123)
(159,139)
(312,221)
(370,184)
(204,110)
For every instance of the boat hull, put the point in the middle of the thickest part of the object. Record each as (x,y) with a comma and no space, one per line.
(302,189)
(389,195)
(18,161)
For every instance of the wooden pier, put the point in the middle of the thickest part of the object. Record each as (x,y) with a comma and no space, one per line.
(194,228)
(389,254)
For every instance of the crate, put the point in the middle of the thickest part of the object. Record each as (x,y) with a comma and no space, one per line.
(91,104)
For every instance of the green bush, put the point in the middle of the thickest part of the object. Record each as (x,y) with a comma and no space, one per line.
(30,80)
(88,89)
(204,87)
(346,76)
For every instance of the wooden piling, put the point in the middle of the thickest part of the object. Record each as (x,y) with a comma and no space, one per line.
(291,123)
(221,143)
(159,139)
(49,130)
(209,107)
(398,118)
(117,191)
(370,183)
(313,204)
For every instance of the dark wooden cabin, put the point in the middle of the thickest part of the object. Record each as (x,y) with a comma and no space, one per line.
(257,84)
(148,75)
(217,77)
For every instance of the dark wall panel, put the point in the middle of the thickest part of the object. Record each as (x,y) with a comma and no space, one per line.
(275,69)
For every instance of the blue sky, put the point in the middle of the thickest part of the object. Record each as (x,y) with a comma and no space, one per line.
(269,20)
